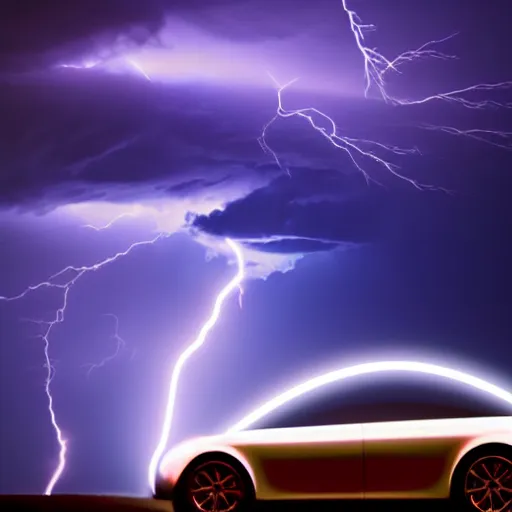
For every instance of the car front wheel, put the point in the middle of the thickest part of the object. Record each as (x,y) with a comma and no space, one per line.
(214,485)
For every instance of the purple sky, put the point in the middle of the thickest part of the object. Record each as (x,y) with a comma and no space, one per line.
(350,271)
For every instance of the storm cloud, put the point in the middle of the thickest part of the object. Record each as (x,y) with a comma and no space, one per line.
(87,138)
(298,214)
(90,135)
(36,35)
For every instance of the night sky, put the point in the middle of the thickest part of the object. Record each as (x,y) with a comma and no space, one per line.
(339,270)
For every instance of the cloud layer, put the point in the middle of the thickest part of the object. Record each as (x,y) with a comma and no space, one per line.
(77,136)
(86,137)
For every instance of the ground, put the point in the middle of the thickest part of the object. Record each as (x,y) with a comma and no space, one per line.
(88,503)
(80,503)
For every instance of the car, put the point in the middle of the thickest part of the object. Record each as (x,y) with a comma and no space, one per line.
(317,452)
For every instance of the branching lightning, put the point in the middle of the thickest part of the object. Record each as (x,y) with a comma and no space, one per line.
(64,280)
(110,223)
(233,284)
(120,345)
(376,67)
(355,148)
(501,140)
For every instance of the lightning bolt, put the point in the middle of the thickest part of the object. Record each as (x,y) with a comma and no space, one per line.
(138,68)
(376,67)
(90,64)
(64,280)
(358,150)
(501,140)
(110,223)
(187,353)
(120,344)
(240,296)
(85,65)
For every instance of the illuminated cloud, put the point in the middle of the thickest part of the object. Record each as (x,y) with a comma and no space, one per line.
(181,155)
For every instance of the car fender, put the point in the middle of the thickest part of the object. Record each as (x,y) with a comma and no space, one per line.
(504,438)
(177,459)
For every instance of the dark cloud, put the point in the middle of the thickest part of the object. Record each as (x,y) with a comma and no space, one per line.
(296,245)
(39,34)
(277,219)
(36,33)
(250,20)
(72,141)
(77,136)
(82,136)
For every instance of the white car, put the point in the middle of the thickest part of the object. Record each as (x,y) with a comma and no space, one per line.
(467,459)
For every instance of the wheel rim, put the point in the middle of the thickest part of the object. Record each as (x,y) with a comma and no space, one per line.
(488,485)
(216,487)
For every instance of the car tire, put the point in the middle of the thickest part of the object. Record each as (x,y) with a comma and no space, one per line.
(483,481)
(214,480)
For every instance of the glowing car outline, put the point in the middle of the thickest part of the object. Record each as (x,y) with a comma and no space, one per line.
(466,459)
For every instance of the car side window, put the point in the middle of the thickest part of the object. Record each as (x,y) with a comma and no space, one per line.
(373,399)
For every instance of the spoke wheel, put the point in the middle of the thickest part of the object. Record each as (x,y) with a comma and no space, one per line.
(216,486)
(488,484)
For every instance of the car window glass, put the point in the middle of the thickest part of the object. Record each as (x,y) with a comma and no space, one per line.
(385,398)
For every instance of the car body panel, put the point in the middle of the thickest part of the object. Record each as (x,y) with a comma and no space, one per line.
(307,462)
(416,459)
(395,460)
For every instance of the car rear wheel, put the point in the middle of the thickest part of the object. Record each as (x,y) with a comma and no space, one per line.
(486,482)
(214,485)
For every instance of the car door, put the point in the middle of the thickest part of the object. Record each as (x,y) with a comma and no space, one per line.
(408,459)
(319,462)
